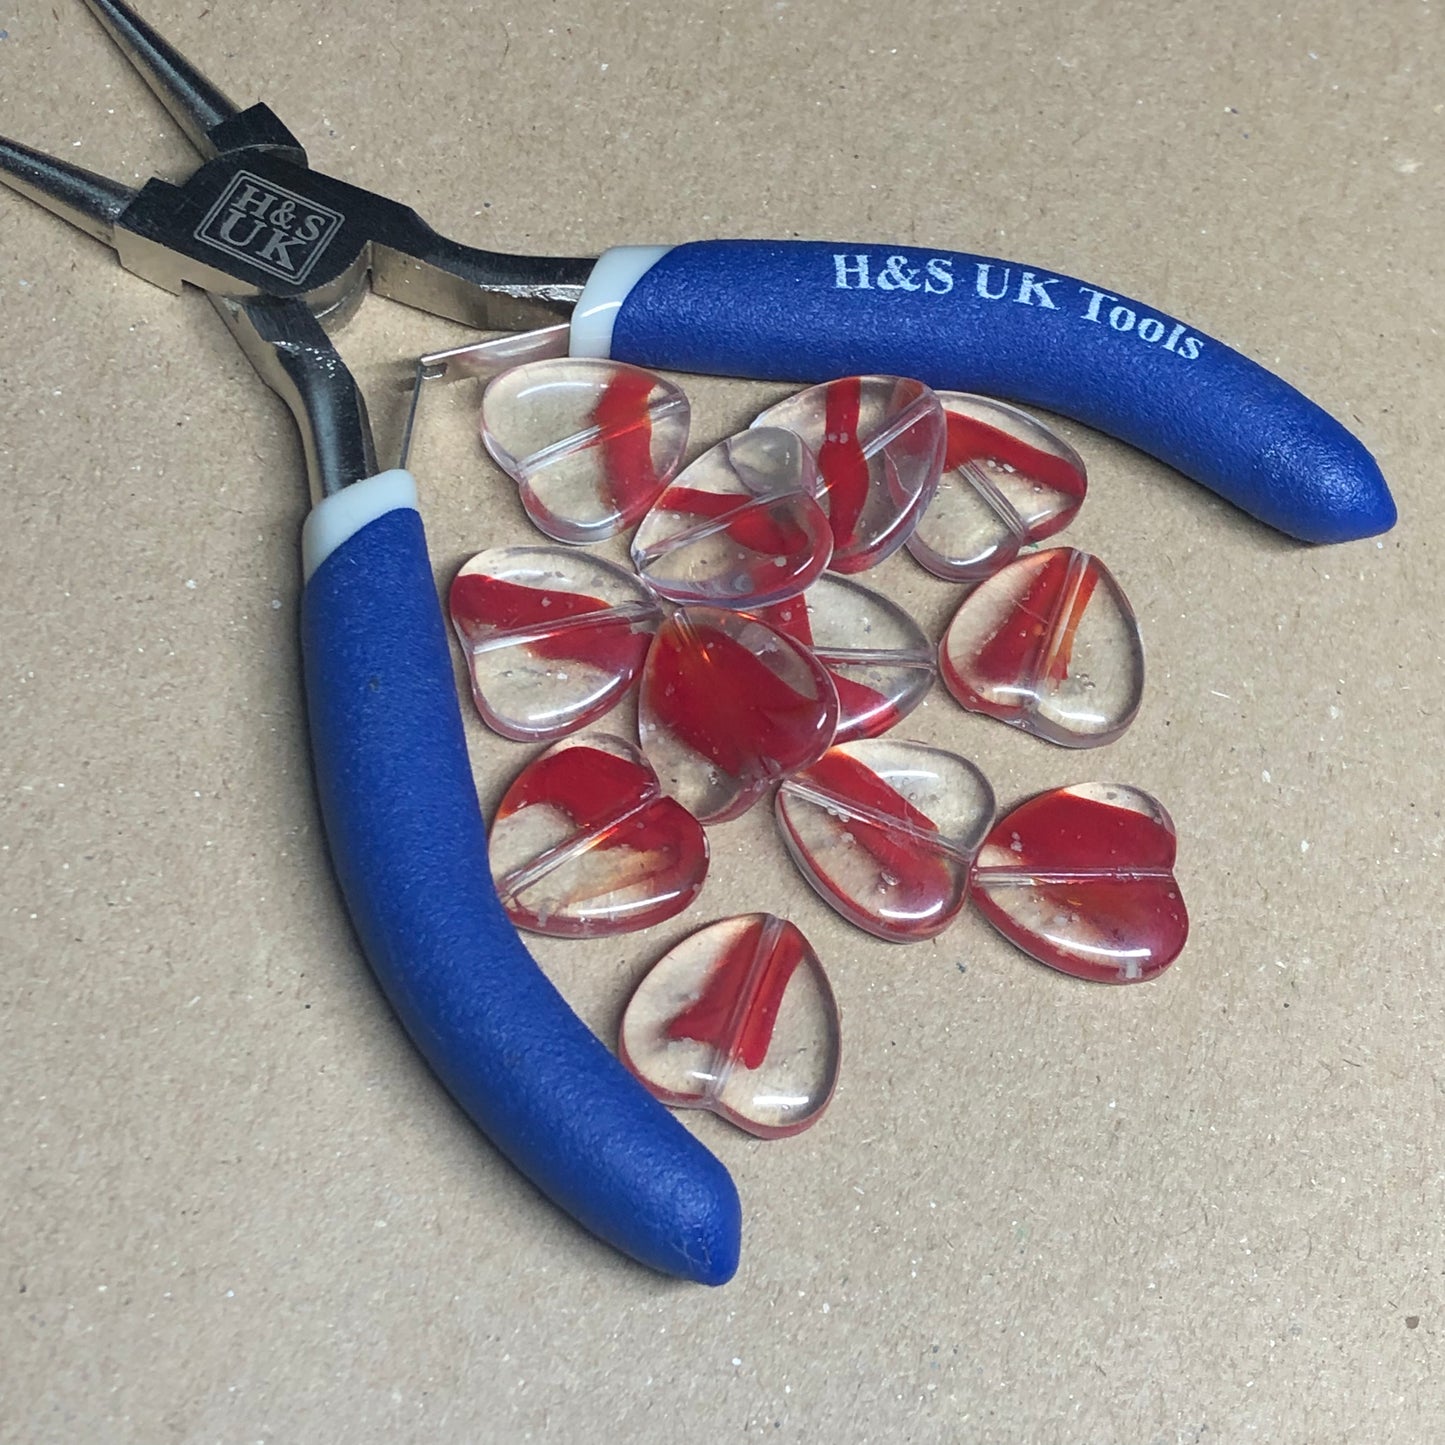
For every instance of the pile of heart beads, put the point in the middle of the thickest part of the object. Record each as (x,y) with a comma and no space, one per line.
(764,666)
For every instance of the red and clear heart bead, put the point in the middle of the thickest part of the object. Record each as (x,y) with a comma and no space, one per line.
(590,443)
(885,831)
(740,527)
(1082,879)
(738,1019)
(881,663)
(584,843)
(879,441)
(727,706)
(1048,645)
(552,638)
(1007,481)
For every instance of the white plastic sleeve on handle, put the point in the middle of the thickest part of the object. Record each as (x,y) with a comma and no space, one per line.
(617,271)
(339,517)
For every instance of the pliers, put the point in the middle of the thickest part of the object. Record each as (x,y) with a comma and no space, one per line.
(284,253)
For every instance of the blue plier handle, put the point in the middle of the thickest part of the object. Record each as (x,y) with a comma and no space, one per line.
(283,252)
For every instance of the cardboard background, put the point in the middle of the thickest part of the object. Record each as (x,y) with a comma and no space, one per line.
(233,1204)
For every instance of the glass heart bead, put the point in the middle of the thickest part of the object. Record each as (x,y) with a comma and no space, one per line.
(1082,879)
(885,831)
(740,527)
(552,638)
(1007,481)
(881,663)
(879,441)
(727,706)
(590,443)
(738,1019)
(1048,645)
(584,843)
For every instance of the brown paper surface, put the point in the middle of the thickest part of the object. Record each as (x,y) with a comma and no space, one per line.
(235,1207)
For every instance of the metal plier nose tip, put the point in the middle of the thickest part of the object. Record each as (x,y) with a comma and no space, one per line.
(196,104)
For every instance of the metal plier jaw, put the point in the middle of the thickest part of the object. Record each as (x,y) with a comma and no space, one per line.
(283,251)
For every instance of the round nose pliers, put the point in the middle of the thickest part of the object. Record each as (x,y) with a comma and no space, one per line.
(284,253)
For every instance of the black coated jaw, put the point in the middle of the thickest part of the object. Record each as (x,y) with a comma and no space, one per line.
(255,223)
(281,249)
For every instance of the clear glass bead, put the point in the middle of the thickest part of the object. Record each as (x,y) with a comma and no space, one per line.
(553,638)
(879,441)
(738,1019)
(740,526)
(1008,481)
(881,663)
(584,843)
(1049,645)
(590,443)
(727,706)
(885,831)
(1082,879)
